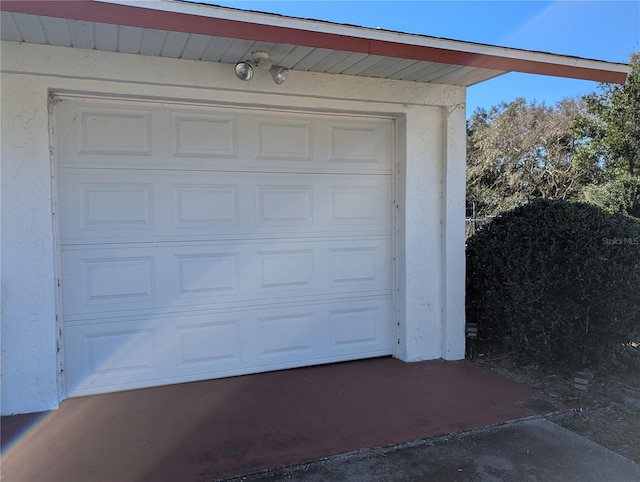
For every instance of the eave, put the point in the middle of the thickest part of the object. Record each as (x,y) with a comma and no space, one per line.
(204,32)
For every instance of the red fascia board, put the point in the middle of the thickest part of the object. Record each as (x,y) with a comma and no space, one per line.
(493,62)
(180,22)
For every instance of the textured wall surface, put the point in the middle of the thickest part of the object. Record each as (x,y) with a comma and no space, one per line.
(429,197)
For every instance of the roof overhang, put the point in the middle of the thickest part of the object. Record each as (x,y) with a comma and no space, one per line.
(181,29)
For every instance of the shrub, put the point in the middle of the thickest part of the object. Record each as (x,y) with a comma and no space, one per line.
(556,283)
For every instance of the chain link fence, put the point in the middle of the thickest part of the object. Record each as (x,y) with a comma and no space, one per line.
(472,224)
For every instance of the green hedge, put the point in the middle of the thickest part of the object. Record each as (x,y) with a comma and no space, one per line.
(556,283)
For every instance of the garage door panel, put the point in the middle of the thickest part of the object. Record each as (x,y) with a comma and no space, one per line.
(121,279)
(278,139)
(285,270)
(281,205)
(201,205)
(201,242)
(356,205)
(95,205)
(287,335)
(208,342)
(107,279)
(355,327)
(356,266)
(114,355)
(139,356)
(176,276)
(361,327)
(207,274)
(116,205)
(195,205)
(102,130)
(358,142)
(115,135)
(204,135)
(102,280)
(103,355)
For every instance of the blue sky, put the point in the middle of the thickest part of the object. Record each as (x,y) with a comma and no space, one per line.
(603,30)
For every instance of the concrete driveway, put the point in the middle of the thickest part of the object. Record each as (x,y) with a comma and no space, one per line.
(528,450)
(204,431)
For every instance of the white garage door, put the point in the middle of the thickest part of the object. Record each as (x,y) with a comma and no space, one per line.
(201,242)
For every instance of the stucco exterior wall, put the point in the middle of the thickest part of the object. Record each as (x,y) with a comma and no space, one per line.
(429,238)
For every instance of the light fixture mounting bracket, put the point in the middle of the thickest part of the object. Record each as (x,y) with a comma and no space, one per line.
(261,59)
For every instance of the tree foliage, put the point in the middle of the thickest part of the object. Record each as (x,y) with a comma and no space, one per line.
(611,123)
(521,151)
(586,149)
(620,195)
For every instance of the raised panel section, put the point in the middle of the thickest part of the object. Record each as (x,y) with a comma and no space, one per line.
(117,280)
(285,205)
(354,204)
(204,135)
(281,139)
(286,269)
(119,353)
(110,131)
(116,206)
(354,265)
(209,343)
(207,274)
(287,335)
(355,327)
(207,205)
(353,143)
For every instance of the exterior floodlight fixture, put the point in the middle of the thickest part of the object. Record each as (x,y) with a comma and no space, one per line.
(245,69)
(279,74)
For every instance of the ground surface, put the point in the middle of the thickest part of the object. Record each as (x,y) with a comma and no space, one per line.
(523,450)
(608,413)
